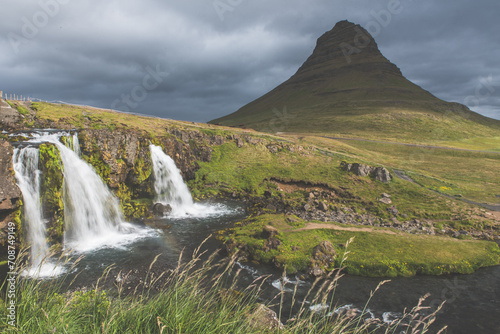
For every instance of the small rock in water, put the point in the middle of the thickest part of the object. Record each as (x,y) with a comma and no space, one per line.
(162,210)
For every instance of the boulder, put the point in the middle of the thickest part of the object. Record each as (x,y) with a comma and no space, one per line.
(323,257)
(385,200)
(161,210)
(382,174)
(361,170)
(265,319)
(269,232)
(323,206)
(393,210)
(378,173)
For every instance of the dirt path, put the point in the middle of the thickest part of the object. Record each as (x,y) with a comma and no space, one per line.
(318,226)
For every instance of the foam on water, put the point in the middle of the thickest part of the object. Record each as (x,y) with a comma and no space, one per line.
(44,270)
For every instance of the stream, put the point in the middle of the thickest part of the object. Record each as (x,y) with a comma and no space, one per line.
(473,301)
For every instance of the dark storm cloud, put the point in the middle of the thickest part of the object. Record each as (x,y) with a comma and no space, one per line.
(213,56)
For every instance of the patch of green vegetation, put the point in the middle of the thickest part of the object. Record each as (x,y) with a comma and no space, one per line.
(95,159)
(470,174)
(52,191)
(133,208)
(380,252)
(18,220)
(142,169)
(22,110)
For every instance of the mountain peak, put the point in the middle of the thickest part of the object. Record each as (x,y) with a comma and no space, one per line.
(347,44)
(347,86)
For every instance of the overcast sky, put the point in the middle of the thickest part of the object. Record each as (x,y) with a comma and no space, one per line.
(201,59)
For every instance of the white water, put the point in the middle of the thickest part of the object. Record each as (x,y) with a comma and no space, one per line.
(26,161)
(92,215)
(27,173)
(171,189)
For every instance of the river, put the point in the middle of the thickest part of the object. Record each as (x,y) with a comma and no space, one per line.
(473,301)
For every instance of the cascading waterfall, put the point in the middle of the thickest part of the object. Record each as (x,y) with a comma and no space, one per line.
(169,185)
(171,189)
(92,214)
(27,173)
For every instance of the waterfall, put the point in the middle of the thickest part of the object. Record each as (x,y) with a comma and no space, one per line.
(27,173)
(92,215)
(171,189)
(76,144)
(169,185)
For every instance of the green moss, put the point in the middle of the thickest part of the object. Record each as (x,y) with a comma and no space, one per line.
(142,169)
(22,110)
(52,191)
(100,167)
(18,220)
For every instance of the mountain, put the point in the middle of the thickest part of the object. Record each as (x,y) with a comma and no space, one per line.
(348,87)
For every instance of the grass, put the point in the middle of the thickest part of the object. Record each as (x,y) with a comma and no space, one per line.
(22,110)
(95,118)
(375,253)
(470,174)
(195,297)
(249,170)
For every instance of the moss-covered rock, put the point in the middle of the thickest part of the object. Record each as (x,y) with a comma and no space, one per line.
(52,184)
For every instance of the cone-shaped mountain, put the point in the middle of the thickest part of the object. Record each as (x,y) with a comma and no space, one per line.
(348,87)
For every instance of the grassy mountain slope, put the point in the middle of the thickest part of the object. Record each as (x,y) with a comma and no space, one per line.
(357,93)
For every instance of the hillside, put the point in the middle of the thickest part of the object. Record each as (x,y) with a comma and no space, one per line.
(347,87)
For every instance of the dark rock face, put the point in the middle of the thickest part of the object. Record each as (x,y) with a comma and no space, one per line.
(378,173)
(9,192)
(347,45)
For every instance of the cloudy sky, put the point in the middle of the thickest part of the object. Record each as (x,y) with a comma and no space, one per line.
(201,59)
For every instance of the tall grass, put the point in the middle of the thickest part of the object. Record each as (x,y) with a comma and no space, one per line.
(198,296)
